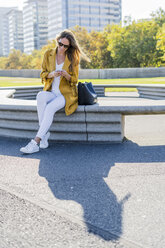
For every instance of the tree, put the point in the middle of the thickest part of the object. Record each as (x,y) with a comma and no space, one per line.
(94,44)
(13,61)
(159,16)
(3,61)
(36,60)
(118,47)
(127,20)
(26,62)
(161,42)
(139,44)
(83,38)
(135,45)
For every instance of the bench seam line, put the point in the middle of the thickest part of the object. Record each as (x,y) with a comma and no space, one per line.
(86,123)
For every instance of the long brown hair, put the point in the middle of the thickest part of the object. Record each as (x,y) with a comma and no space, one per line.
(74,51)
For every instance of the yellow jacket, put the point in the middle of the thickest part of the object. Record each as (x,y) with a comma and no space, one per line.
(67,88)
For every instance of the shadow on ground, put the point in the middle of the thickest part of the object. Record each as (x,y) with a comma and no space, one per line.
(76,172)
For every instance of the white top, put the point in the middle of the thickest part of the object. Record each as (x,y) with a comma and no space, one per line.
(56,81)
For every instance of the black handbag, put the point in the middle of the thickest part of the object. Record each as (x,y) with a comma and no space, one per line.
(86,94)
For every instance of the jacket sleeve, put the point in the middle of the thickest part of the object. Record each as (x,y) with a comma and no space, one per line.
(74,75)
(44,73)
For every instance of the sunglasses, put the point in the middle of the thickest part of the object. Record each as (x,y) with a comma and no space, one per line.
(61,44)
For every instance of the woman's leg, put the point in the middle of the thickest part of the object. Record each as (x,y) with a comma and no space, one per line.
(47,105)
(50,109)
(43,98)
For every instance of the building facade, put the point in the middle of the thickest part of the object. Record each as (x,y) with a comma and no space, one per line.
(35,24)
(15,29)
(4,35)
(42,20)
(91,14)
(11,29)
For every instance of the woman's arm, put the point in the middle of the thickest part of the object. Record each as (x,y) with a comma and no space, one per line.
(74,75)
(66,75)
(44,73)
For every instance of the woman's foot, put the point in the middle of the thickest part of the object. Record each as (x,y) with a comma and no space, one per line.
(31,147)
(44,142)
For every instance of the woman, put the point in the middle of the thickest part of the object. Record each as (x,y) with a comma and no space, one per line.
(59,74)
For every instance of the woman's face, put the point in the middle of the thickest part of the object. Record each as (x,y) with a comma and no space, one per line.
(63,44)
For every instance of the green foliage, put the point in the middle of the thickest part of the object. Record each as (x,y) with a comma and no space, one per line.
(95,45)
(13,61)
(159,16)
(3,61)
(139,44)
(135,45)
(161,42)
(16,60)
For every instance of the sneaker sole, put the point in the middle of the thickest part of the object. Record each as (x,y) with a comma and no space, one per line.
(28,152)
(44,147)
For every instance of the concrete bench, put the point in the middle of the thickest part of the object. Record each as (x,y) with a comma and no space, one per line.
(152,91)
(102,122)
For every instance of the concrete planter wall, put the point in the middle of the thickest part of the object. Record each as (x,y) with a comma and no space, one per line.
(95,73)
(101,122)
(153,91)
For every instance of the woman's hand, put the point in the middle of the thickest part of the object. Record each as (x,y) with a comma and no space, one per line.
(59,73)
(54,74)
(66,75)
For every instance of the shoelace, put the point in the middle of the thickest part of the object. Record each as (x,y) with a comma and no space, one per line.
(30,144)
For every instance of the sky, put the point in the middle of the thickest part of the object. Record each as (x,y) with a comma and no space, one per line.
(137,9)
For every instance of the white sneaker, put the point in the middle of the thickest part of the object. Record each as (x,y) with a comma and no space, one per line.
(44,142)
(31,147)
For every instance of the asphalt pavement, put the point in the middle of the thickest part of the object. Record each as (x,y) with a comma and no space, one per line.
(86,195)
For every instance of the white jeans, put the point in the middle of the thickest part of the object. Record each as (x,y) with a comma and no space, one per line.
(48,103)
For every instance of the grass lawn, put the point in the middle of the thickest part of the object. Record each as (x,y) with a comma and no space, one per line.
(14,81)
(158,80)
(18,81)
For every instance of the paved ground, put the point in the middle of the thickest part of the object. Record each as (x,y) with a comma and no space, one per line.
(86,195)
